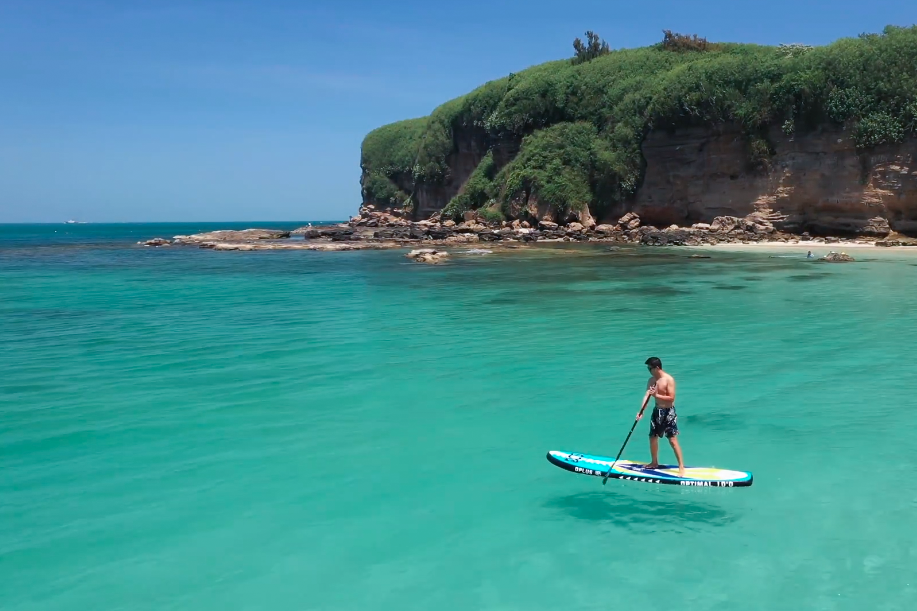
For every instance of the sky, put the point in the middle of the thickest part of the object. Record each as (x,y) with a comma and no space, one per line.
(204,110)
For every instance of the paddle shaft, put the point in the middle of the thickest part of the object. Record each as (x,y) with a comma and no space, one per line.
(621,451)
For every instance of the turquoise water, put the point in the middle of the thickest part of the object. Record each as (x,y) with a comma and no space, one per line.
(188,429)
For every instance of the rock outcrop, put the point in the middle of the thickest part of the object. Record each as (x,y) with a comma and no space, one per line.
(245,235)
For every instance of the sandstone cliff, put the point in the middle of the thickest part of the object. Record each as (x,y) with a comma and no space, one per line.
(819,180)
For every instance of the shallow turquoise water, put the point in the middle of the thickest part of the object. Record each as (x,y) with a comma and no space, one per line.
(186,429)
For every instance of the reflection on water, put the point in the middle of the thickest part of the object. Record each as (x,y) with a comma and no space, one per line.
(617,507)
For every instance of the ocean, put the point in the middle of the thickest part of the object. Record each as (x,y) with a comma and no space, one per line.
(189,429)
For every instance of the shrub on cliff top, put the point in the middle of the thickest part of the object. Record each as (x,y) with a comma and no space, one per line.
(594,47)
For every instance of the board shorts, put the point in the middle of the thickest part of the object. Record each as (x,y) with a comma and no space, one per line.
(664,422)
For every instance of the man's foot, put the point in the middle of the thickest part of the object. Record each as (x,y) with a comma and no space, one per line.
(681,471)
(652,465)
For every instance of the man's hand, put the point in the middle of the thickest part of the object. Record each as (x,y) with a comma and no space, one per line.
(639,415)
(652,391)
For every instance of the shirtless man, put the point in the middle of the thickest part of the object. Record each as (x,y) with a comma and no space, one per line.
(664,421)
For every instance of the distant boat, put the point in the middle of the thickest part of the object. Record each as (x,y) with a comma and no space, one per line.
(72,222)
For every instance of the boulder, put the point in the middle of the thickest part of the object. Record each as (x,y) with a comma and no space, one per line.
(831,240)
(583,217)
(629,221)
(701,226)
(547,225)
(654,238)
(397,233)
(418,232)
(227,246)
(469,215)
(606,229)
(309,233)
(462,238)
(427,255)
(575,227)
(440,234)
(335,231)
(449,224)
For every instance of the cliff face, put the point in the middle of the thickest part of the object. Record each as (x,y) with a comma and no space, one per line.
(818,179)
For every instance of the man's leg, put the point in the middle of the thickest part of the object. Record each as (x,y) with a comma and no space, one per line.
(673,441)
(654,452)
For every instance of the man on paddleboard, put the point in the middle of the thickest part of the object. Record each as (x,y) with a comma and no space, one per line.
(661,386)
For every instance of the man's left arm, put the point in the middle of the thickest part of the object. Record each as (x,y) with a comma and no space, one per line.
(665,395)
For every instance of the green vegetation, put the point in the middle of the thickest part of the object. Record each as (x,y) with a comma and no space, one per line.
(581,124)
(477,192)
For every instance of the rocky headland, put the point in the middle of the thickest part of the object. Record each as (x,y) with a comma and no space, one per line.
(683,143)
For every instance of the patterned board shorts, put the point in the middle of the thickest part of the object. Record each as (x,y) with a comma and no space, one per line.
(664,422)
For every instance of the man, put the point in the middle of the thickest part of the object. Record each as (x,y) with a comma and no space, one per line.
(661,386)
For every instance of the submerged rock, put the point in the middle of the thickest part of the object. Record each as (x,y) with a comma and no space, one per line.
(156,242)
(837,257)
(427,255)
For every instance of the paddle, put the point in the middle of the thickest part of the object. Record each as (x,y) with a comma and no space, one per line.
(636,420)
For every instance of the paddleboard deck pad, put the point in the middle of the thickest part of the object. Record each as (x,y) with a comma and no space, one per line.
(587,464)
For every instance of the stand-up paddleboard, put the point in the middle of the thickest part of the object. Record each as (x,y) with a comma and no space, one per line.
(586,464)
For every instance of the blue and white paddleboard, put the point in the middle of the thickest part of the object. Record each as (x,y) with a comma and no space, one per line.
(586,464)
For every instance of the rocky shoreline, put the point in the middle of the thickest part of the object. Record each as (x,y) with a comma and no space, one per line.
(381,229)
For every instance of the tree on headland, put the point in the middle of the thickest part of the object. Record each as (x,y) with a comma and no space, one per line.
(594,47)
(673,41)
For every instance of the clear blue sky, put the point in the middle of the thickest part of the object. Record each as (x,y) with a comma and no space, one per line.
(181,110)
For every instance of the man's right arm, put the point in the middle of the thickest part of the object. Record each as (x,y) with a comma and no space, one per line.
(646,398)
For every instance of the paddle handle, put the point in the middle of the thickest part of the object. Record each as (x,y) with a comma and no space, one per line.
(621,451)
